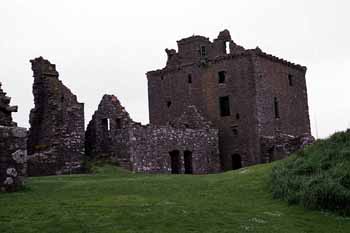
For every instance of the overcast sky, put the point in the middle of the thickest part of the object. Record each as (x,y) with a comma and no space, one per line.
(107,46)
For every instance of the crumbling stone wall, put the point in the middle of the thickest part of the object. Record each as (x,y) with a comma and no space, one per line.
(56,135)
(281,145)
(107,136)
(202,72)
(113,136)
(152,146)
(6,110)
(13,152)
(13,157)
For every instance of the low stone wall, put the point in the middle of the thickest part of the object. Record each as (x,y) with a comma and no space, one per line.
(280,146)
(13,158)
(151,147)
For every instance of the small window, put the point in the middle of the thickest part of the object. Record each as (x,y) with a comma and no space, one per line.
(203,51)
(237,116)
(227,47)
(222,76)
(234,129)
(290,80)
(224,106)
(168,104)
(162,77)
(105,123)
(118,123)
(276,108)
(189,78)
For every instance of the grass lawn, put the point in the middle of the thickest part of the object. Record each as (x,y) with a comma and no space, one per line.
(117,201)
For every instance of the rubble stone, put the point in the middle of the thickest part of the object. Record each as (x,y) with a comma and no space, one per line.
(187,145)
(56,135)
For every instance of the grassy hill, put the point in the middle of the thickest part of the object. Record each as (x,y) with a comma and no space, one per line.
(117,201)
(317,177)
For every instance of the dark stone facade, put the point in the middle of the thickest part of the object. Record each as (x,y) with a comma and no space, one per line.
(246,93)
(6,110)
(186,145)
(56,136)
(13,151)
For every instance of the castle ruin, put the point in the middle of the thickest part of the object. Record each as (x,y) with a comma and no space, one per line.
(187,145)
(13,148)
(246,93)
(215,106)
(56,134)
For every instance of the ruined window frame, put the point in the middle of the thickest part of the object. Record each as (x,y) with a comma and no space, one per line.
(189,78)
(276,108)
(203,51)
(224,105)
(290,80)
(222,77)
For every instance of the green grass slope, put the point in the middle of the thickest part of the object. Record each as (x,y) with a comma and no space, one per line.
(117,201)
(318,177)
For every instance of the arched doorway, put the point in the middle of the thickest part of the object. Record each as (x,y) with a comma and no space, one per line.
(236,161)
(175,161)
(188,162)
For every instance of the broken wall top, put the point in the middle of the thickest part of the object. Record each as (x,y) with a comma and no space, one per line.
(6,110)
(201,51)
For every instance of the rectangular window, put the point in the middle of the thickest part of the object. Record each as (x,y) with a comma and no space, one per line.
(189,78)
(105,124)
(227,47)
(224,106)
(290,79)
(118,123)
(222,76)
(203,51)
(276,108)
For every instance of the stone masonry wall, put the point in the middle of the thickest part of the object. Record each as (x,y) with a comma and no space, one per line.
(13,148)
(202,72)
(13,157)
(56,136)
(113,136)
(151,147)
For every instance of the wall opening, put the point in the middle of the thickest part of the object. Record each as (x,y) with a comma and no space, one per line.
(290,80)
(168,104)
(222,76)
(276,108)
(189,78)
(175,162)
(224,106)
(236,162)
(188,162)
(118,123)
(237,116)
(234,129)
(227,47)
(105,124)
(203,51)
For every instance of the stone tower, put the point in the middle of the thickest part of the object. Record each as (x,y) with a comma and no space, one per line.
(247,94)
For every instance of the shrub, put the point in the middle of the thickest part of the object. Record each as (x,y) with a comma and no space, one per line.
(317,177)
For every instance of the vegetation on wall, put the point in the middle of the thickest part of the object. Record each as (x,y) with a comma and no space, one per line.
(317,177)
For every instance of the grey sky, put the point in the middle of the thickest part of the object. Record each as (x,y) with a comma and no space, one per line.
(102,46)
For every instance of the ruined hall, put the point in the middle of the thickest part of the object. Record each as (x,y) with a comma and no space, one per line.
(215,106)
